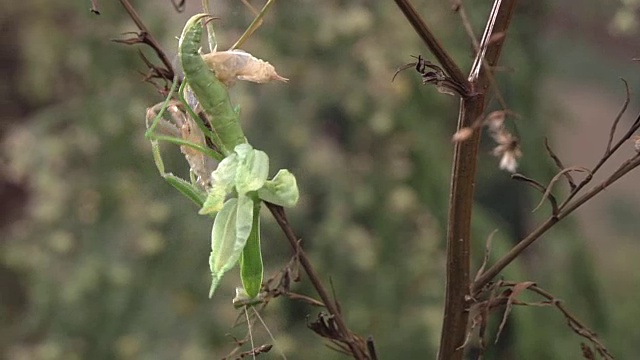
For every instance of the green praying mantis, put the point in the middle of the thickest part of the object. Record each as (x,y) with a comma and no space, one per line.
(207,128)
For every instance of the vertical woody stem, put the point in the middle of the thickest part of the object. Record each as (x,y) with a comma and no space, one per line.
(456,316)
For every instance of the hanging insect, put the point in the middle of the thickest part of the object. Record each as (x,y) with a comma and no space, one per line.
(208,129)
(434,75)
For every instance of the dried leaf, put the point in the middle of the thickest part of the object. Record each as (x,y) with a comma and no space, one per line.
(445,90)
(536,185)
(487,253)
(559,163)
(556,178)
(233,65)
(516,290)
(587,353)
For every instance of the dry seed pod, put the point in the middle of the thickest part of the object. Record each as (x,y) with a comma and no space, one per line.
(508,150)
(495,120)
(237,64)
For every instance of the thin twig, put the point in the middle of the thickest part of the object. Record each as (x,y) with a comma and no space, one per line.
(569,205)
(536,185)
(576,325)
(516,289)
(281,218)
(547,192)
(487,253)
(459,8)
(607,155)
(559,164)
(148,38)
(496,268)
(619,116)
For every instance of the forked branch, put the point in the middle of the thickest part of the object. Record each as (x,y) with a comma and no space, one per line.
(570,204)
(505,294)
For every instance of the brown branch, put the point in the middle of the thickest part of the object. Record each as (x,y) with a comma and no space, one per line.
(559,164)
(459,8)
(450,67)
(147,38)
(508,298)
(556,178)
(496,268)
(576,325)
(546,194)
(568,205)
(516,289)
(347,336)
(611,149)
(619,116)
(465,156)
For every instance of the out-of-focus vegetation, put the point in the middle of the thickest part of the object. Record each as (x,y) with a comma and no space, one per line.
(101,259)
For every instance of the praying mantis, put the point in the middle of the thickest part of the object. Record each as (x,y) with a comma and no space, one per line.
(207,128)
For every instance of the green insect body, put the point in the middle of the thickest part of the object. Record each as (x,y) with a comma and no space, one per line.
(211,93)
(233,192)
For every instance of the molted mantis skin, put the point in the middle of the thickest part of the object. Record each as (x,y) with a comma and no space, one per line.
(211,93)
(182,126)
(200,164)
(237,64)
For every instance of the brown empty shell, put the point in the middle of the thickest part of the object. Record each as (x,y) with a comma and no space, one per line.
(237,64)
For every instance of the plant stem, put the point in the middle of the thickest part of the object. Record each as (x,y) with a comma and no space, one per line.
(281,218)
(456,316)
(148,38)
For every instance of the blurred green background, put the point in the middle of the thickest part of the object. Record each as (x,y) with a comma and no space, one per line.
(101,259)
